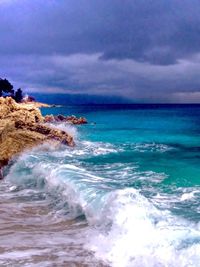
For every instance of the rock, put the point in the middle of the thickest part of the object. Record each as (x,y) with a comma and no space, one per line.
(6,126)
(21,128)
(49,133)
(11,110)
(68,119)
(60,118)
(49,118)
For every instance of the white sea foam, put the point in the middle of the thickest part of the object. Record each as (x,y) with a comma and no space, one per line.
(151,147)
(178,196)
(140,235)
(125,228)
(97,148)
(72,130)
(190,194)
(87,148)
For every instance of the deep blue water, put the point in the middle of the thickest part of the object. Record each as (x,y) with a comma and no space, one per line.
(130,187)
(160,138)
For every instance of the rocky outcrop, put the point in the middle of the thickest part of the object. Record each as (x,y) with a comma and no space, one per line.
(22,127)
(13,111)
(68,119)
(49,133)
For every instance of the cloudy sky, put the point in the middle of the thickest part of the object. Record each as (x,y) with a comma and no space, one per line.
(143,50)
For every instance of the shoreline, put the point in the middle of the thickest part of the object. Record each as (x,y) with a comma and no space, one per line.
(22,126)
(35,104)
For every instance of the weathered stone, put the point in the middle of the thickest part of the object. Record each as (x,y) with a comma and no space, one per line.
(49,118)
(68,119)
(13,111)
(21,128)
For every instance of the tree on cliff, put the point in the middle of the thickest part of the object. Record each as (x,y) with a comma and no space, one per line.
(18,95)
(6,87)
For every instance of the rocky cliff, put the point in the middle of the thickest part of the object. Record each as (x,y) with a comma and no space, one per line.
(22,127)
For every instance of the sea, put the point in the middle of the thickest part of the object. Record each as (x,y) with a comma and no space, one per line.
(127,195)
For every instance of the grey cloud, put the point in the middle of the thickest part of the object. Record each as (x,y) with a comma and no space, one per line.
(86,74)
(158,31)
(146,50)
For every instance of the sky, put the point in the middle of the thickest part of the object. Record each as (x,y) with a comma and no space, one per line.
(141,50)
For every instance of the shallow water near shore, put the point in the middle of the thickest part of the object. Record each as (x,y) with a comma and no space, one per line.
(127,195)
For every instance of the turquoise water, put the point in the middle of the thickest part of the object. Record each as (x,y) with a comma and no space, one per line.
(128,194)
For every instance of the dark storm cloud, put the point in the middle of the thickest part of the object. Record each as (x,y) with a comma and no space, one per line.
(143,49)
(85,74)
(158,31)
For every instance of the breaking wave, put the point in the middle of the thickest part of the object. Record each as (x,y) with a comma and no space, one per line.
(126,226)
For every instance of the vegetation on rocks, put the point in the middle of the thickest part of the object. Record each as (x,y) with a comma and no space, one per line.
(7,88)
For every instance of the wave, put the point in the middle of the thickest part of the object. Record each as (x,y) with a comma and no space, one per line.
(67,127)
(190,193)
(138,234)
(149,147)
(126,227)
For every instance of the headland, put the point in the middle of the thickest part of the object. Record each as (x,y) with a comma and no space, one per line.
(22,127)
